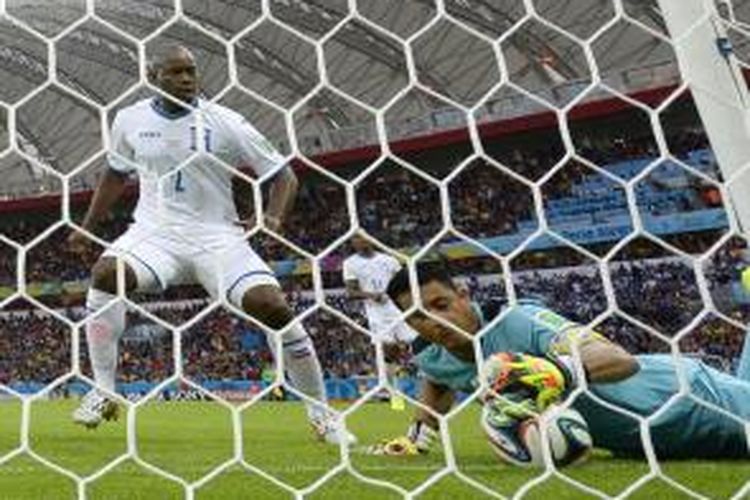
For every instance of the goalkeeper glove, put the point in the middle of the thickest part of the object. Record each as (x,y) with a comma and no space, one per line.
(396,447)
(528,383)
(419,439)
(509,409)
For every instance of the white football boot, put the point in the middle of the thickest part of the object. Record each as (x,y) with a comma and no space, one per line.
(95,407)
(331,431)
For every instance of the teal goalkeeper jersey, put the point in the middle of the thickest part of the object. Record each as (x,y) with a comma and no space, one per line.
(686,429)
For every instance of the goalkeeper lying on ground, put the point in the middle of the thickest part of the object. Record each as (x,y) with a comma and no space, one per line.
(640,384)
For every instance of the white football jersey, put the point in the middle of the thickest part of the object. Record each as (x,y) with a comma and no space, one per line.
(147,139)
(373,275)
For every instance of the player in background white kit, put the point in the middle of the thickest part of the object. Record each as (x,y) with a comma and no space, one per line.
(366,275)
(187,229)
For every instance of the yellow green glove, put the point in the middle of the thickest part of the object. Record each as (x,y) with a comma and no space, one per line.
(527,384)
(396,447)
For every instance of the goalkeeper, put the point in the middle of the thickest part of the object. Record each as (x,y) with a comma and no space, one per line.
(639,384)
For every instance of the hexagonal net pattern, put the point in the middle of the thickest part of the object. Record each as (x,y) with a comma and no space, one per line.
(577,168)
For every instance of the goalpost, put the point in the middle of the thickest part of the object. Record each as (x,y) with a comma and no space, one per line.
(718,87)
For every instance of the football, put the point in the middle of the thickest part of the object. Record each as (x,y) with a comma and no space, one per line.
(519,443)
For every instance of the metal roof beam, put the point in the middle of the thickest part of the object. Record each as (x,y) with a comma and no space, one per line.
(105,58)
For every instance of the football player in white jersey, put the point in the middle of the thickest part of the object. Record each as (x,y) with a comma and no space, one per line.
(187,229)
(366,275)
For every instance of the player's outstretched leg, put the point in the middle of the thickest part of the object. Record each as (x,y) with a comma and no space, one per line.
(267,304)
(103,332)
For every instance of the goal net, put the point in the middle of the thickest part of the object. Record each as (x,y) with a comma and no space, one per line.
(588,155)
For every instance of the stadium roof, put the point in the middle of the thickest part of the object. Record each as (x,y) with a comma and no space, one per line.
(366,62)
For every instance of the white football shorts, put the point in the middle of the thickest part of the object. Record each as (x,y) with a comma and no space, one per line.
(385,324)
(215,256)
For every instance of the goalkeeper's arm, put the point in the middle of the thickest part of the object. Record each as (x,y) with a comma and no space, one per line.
(438,398)
(603,361)
(606,362)
(526,384)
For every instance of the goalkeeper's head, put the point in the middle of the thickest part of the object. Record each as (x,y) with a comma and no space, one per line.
(441,298)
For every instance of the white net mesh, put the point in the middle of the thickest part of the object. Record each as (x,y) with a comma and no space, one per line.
(591,153)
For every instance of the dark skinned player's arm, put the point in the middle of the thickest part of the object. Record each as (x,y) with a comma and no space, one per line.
(110,189)
(281,196)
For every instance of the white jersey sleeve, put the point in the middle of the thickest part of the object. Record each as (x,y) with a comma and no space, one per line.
(251,149)
(121,155)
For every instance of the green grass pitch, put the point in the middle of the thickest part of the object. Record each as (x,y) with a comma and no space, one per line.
(189,439)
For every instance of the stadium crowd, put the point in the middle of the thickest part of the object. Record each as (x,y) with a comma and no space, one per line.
(486,202)
(396,206)
(221,346)
(33,348)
